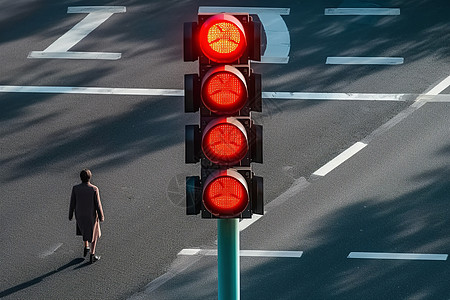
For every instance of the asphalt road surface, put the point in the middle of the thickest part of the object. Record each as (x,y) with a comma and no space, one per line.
(388,199)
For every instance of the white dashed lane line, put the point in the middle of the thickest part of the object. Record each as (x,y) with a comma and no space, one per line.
(364,60)
(364,11)
(338,160)
(397,256)
(245,253)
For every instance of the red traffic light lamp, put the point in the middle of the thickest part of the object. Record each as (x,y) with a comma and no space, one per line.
(222,38)
(225,141)
(224,90)
(225,194)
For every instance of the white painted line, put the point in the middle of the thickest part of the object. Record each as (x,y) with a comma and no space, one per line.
(333,96)
(401,256)
(338,160)
(362,11)
(91,90)
(265,59)
(96,16)
(340,60)
(250,10)
(75,55)
(421,100)
(439,87)
(51,250)
(78,32)
(194,251)
(245,253)
(440,98)
(247,222)
(265,253)
(278,39)
(180,93)
(297,186)
(91,9)
(188,257)
(277,34)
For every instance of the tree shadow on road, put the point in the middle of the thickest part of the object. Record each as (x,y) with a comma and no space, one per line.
(124,135)
(413,222)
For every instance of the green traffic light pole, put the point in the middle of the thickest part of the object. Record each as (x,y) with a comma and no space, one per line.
(228,258)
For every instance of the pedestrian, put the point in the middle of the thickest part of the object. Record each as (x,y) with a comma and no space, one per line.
(85,202)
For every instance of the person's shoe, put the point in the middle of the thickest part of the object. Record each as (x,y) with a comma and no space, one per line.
(94,258)
(86,251)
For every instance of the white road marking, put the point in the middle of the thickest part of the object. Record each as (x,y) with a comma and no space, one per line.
(91,90)
(337,60)
(439,98)
(245,253)
(338,160)
(277,33)
(180,93)
(247,222)
(362,11)
(421,100)
(439,87)
(342,60)
(96,16)
(194,251)
(400,256)
(75,55)
(297,186)
(267,95)
(250,10)
(96,9)
(51,250)
(334,96)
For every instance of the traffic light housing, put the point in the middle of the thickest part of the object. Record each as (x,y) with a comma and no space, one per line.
(225,91)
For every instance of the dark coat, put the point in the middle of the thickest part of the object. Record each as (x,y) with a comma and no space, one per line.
(85,202)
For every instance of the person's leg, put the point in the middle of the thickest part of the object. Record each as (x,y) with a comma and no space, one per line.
(93,244)
(86,248)
(94,257)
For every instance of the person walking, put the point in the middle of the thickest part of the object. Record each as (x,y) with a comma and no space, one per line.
(85,202)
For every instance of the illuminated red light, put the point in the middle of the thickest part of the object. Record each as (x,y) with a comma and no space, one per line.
(222,38)
(226,194)
(224,90)
(225,141)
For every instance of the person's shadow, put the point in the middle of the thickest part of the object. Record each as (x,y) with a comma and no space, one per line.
(36,280)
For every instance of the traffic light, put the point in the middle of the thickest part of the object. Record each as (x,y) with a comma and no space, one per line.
(225,91)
